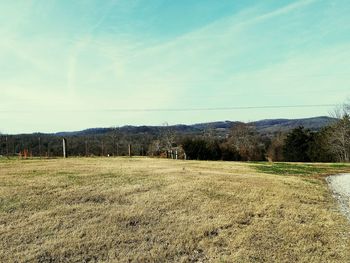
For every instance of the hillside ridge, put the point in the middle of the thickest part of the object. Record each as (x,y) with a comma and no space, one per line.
(263,126)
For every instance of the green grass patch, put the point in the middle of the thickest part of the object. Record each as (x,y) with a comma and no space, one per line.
(289,169)
(340,165)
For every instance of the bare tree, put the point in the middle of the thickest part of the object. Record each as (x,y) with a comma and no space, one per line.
(244,140)
(155,148)
(167,137)
(209,132)
(339,135)
(275,150)
(115,137)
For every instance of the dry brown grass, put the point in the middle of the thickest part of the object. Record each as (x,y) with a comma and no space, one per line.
(151,210)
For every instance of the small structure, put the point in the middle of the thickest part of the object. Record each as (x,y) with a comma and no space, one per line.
(176,152)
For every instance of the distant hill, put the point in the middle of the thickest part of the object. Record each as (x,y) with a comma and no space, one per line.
(268,126)
(283,125)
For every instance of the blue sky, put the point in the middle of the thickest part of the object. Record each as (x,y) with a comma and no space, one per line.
(64,65)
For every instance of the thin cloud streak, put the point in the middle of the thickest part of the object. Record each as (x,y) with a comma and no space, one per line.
(263,52)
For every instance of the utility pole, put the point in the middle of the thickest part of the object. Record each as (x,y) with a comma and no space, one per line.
(129,150)
(114,140)
(115,136)
(114,146)
(48,149)
(86,148)
(7,147)
(64,147)
(39,147)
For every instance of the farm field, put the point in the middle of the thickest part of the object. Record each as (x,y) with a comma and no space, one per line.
(159,210)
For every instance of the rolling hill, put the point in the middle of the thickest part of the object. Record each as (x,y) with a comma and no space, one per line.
(267,126)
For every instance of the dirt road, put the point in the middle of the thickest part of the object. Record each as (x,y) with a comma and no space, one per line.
(340,185)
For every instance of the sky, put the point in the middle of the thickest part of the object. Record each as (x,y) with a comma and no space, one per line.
(69,65)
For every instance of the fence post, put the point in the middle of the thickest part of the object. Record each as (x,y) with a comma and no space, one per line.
(64,147)
(86,148)
(7,146)
(39,139)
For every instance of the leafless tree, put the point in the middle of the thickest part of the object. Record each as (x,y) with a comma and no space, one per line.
(167,137)
(275,150)
(155,148)
(244,140)
(116,138)
(209,132)
(339,135)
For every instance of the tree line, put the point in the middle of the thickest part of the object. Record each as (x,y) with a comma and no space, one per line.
(242,143)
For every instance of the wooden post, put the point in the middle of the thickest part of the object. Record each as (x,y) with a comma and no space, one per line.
(7,147)
(39,147)
(48,150)
(86,149)
(64,147)
(115,143)
(129,150)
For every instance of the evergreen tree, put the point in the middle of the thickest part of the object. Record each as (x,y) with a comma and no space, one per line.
(297,144)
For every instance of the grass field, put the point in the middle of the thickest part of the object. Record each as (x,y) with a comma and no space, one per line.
(157,210)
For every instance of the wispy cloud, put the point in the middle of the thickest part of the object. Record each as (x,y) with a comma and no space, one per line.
(271,52)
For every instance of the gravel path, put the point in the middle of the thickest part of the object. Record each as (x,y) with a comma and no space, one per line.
(340,185)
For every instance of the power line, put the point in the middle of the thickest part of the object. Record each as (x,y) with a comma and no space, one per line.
(180,109)
(222,108)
